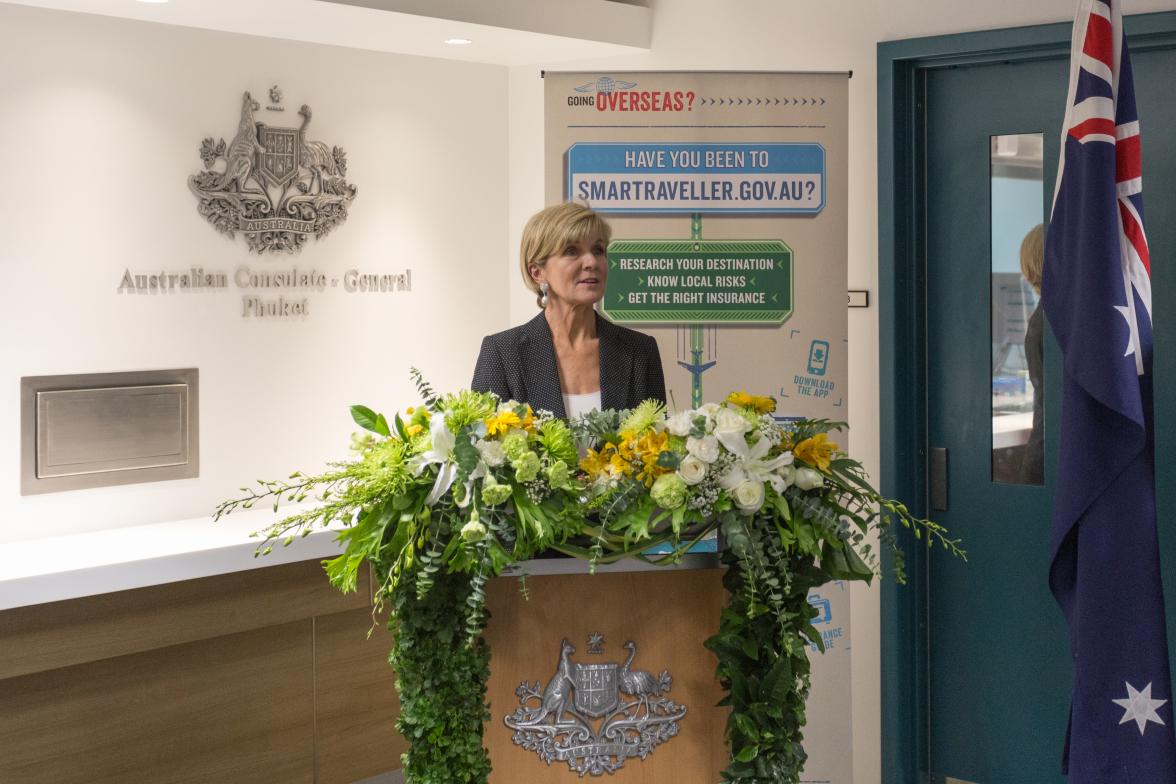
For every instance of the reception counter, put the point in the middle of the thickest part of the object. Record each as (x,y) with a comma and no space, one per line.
(168,652)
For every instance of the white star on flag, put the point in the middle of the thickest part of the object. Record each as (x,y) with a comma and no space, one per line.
(1139,707)
(1128,314)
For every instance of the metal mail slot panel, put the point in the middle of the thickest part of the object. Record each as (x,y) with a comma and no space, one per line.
(88,431)
(104,429)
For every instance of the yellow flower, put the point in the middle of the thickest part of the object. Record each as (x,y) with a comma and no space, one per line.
(759,404)
(815,451)
(620,466)
(595,463)
(502,422)
(413,430)
(650,471)
(628,446)
(652,444)
(649,449)
(528,420)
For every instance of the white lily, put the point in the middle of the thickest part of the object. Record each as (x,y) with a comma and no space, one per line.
(440,452)
(751,465)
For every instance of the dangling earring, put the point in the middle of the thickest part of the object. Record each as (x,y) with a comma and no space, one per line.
(543,288)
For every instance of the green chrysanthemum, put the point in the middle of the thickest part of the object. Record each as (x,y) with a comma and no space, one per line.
(467,408)
(383,467)
(643,417)
(556,439)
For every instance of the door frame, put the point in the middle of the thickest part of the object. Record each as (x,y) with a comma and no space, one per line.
(902,69)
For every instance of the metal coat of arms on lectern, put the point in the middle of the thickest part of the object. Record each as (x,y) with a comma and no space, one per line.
(276,186)
(559,721)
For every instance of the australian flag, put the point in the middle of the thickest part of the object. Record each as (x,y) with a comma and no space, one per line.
(1096,291)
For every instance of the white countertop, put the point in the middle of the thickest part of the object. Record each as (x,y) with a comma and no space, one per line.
(57,568)
(52,569)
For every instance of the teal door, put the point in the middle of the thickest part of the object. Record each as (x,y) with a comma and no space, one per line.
(997,654)
(996,665)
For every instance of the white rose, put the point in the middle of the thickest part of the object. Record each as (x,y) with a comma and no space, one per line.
(727,421)
(705,449)
(692,470)
(748,496)
(679,424)
(491,452)
(730,428)
(808,478)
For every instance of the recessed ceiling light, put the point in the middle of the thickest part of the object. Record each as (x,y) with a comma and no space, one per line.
(458,41)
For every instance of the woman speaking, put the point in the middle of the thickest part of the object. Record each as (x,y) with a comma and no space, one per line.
(569,360)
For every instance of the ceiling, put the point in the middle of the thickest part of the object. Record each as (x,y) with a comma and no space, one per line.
(503,32)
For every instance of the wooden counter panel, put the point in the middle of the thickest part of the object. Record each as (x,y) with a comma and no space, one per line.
(357,706)
(61,634)
(668,614)
(237,708)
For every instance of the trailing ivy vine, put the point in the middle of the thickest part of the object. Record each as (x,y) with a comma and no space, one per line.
(442,683)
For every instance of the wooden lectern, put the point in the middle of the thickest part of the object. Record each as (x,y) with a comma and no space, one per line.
(666,613)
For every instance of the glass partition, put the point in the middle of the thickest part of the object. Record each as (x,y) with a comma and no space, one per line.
(1017,246)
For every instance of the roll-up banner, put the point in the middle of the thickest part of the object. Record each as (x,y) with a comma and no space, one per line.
(727,197)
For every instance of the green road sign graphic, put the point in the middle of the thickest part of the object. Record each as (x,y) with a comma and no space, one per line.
(699,281)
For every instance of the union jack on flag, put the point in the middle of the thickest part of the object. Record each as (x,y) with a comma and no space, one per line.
(1101,109)
(1096,291)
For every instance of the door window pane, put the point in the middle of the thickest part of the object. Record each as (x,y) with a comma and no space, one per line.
(1017,246)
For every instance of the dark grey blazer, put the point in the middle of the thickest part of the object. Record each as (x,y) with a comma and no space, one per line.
(519,364)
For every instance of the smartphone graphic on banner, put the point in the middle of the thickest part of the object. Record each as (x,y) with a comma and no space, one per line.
(818,357)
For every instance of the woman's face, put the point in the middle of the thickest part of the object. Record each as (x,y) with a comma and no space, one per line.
(577,274)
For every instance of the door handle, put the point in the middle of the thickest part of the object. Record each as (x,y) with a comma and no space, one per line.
(938,478)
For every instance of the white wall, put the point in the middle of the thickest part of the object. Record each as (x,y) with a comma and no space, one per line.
(103,120)
(779,35)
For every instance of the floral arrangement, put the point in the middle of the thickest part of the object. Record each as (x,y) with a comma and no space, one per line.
(443,498)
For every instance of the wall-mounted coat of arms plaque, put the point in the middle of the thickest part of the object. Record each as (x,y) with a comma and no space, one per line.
(275,186)
(595,716)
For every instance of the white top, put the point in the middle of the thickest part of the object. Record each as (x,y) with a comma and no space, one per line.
(575,405)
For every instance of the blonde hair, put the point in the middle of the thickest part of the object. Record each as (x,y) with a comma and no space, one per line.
(1033,255)
(551,230)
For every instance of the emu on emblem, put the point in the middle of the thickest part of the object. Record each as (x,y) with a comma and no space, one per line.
(634,715)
